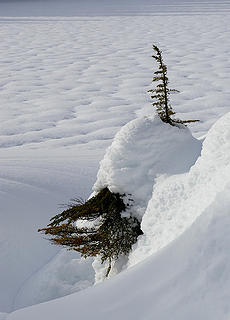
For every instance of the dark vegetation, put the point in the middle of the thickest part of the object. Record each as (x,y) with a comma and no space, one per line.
(107,234)
(161,94)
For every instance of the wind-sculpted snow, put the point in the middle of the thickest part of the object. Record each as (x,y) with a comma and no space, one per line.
(67,85)
(188,279)
(178,200)
(77,82)
(143,149)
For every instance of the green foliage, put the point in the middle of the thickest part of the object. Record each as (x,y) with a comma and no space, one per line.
(106,233)
(161,93)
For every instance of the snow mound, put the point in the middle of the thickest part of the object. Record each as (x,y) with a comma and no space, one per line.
(49,115)
(143,149)
(189,278)
(178,200)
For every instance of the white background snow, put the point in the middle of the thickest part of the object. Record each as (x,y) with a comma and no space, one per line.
(67,85)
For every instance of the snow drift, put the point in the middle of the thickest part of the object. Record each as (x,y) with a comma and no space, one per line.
(143,149)
(45,106)
(178,200)
(189,278)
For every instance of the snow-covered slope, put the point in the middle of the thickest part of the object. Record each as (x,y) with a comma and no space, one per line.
(66,273)
(177,201)
(32,188)
(57,120)
(141,151)
(188,279)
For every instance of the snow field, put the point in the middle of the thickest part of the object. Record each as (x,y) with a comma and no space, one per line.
(66,88)
(53,82)
(112,8)
(32,190)
(188,279)
(64,274)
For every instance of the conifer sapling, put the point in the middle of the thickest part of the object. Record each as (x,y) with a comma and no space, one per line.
(161,93)
(106,234)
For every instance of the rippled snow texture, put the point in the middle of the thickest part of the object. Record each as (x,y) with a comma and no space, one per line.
(78,81)
(66,88)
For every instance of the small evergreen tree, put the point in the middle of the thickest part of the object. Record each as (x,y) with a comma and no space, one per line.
(161,93)
(106,234)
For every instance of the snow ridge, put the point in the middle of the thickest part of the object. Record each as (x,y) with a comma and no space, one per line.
(189,278)
(141,151)
(178,200)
